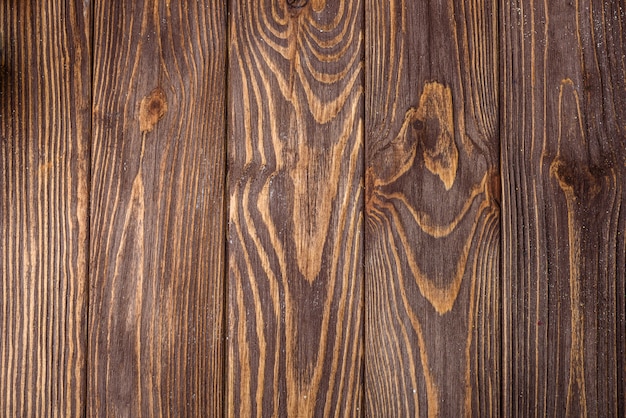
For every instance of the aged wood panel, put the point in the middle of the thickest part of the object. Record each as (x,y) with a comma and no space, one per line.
(157,230)
(564,226)
(432,258)
(296,196)
(44,195)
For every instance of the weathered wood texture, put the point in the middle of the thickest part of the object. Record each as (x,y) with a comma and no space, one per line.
(44,183)
(425,208)
(432,209)
(563,166)
(157,246)
(296,197)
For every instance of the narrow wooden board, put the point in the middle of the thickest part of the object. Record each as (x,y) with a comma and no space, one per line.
(432,259)
(157,246)
(563,217)
(45,69)
(296,197)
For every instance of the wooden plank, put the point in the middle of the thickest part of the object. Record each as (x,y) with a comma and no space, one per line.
(45,65)
(157,253)
(432,344)
(295,185)
(564,224)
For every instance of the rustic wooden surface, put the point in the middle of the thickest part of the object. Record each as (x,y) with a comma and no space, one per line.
(312,208)
(158,169)
(296,197)
(45,92)
(432,344)
(564,226)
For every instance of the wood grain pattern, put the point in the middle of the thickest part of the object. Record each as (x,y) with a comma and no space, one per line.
(157,250)
(564,226)
(425,208)
(44,185)
(296,198)
(432,255)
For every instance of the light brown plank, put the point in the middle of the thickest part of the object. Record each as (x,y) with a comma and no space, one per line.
(564,224)
(296,197)
(432,259)
(44,195)
(157,253)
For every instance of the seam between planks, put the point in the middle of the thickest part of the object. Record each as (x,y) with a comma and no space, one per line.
(501,294)
(92,24)
(363,209)
(225,212)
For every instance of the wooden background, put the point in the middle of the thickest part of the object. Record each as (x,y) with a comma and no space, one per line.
(313,208)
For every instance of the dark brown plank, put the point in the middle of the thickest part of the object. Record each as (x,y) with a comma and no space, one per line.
(564,225)
(432,344)
(45,68)
(295,185)
(157,253)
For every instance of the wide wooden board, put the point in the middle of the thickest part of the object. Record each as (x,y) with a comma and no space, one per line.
(157,246)
(296,196)
(432,259)
(45,88)
(563,220)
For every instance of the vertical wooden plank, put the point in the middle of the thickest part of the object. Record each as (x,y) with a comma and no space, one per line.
(564,225)
(45,100)
(157,254)
(296,196)
(432,345)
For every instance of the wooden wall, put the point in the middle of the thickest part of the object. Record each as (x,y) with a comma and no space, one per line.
(312,208)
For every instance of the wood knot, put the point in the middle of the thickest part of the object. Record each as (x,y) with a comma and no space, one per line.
(435,126)
(152,109)
(578,180)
